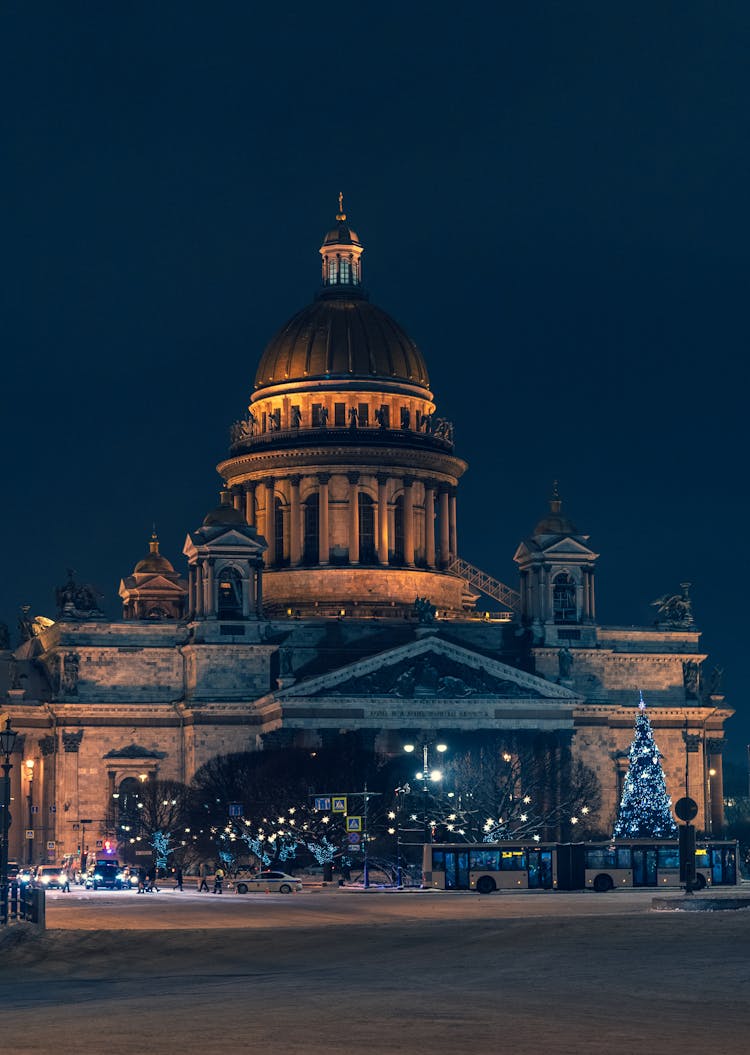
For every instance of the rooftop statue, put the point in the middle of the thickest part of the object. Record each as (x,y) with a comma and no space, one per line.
(675,609)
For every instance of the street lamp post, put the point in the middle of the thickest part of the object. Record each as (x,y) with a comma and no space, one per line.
(7,743)
(427,776)
(29,764)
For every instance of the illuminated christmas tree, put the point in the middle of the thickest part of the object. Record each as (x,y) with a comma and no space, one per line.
(645,807)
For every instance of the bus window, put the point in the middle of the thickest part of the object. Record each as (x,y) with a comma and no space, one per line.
(512,860)
(702,859)
(485,860)
(438,860)
(669,857)
(601,857)
(624,858)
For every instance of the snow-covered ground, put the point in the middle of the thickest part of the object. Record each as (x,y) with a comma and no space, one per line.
(317,973)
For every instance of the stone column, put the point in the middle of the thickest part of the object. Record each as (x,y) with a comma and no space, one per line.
(453,524)
(409,521)
(353,517)
(323,541)
(237,498)
(715,776)
(271,522)
(210,602)
(246,599)
(383,518)
(200,593)
(429,524)
(259,592)
(295,544)
(250,504)
(444,529)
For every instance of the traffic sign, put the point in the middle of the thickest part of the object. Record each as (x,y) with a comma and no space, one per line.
(686,809)
(235,809)
(353,837)
(99,844)
(323,804)
(339,804)
(354,824)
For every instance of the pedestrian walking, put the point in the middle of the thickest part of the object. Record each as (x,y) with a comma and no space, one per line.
(178,878)
(218,880)
(203,875)
(151,880)
(142,880)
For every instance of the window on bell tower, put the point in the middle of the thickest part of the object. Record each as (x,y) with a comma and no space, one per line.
(564,598)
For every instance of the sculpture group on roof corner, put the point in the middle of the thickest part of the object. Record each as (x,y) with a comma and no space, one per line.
(324,601)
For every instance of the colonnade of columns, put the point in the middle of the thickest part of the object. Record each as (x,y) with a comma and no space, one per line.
(203,601)
(537,593)
(435,502)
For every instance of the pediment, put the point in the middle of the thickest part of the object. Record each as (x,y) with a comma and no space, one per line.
(144,581)
(429,668)
(225,539)
(569,547)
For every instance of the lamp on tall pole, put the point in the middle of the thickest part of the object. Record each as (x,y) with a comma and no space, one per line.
(427,776)
(29,766)
(7,743)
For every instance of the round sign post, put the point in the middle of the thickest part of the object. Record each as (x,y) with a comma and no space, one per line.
(686,810)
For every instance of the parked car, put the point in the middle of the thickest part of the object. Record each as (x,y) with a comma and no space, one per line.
(52,877)
(269,882)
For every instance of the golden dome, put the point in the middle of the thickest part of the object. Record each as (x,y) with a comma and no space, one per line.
(154,562)
(341,336)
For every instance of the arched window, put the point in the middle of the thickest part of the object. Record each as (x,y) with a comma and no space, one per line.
(366,530)
(564,598)
(398,530)
(128,797)
(345,270)
(311,547)
(229,594)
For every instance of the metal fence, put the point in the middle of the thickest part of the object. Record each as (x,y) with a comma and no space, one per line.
(22,902)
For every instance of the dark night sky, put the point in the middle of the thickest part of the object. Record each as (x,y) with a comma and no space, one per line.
(553,201)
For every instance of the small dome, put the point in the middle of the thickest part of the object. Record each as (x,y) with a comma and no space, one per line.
(341,336)
(342,235)
(154,562)
(225,513)
(554,523)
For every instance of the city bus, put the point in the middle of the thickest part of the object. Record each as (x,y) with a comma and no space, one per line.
(647,863)
(620,864)
(486,867)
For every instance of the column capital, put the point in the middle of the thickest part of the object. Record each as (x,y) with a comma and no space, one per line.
(408,481)
(353,478)
(270,483)
(382,478)
(430,485)
(715,747)
(295,480)
(323,478)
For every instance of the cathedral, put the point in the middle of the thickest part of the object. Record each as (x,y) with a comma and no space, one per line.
(325,594)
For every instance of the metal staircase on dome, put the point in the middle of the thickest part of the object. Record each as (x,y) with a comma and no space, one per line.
(487,584)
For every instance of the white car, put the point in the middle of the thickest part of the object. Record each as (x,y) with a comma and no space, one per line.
(269,882)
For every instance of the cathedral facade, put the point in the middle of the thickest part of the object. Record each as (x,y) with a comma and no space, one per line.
(325,594)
